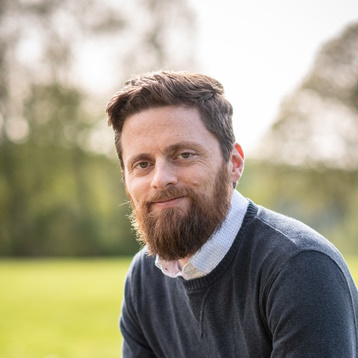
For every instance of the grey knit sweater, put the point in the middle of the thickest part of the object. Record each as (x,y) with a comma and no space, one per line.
(281,291)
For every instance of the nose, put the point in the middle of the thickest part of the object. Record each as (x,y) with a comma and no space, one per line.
(164,175)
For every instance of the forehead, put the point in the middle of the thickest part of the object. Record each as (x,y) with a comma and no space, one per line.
(159,127)
(170,117)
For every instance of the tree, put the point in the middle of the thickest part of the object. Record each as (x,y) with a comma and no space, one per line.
(308,166)
(58,196)
(44,42)
(317,124)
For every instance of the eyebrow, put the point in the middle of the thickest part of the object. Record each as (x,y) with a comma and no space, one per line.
(174,147)
(136,158)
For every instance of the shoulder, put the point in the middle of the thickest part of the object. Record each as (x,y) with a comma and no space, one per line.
(284,235)
(273,242)
(144,277)
(141,265)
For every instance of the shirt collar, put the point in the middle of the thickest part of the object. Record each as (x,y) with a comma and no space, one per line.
(214,250)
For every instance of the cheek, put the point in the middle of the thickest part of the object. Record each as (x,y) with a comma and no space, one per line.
(131,195)
(204,183)
(195,178)
(136,192)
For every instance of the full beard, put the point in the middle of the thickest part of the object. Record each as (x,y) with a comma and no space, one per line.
(175,233)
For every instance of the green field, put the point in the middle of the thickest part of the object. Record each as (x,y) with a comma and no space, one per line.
(61,308)
(65,308)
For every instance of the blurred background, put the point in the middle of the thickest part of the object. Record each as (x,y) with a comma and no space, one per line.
(290,70)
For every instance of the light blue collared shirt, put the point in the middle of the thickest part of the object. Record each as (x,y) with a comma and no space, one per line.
(214,250)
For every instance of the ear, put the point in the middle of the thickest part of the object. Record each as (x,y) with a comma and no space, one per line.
(236,162)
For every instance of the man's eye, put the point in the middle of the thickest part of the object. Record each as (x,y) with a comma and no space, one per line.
(142,165)
(185,155)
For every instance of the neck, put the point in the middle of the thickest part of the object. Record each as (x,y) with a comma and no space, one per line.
(183,262)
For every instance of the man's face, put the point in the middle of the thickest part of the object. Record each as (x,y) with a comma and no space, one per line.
(175,177)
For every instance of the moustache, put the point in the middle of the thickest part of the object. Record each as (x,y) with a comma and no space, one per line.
(168,194)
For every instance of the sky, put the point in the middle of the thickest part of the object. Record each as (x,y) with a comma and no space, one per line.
(261,50)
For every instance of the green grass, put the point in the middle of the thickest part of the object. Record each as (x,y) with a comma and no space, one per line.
(65,308)
(61,308)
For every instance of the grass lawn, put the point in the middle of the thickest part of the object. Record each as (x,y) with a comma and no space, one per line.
(61,308)
(65,308)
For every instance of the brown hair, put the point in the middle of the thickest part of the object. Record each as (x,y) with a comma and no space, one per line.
(169,88)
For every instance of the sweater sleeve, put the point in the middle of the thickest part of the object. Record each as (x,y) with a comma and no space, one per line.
(310,310)
(134,342)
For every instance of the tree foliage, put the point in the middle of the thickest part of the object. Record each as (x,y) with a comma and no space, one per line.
(318,123)
(308,164)
(57,196)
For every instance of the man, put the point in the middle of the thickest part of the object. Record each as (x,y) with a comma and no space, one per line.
(218,276)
